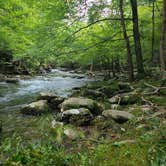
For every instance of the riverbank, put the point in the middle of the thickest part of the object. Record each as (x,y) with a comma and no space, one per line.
(104,140)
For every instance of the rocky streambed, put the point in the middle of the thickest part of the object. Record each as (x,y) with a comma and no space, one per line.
(16,92)
(63,104)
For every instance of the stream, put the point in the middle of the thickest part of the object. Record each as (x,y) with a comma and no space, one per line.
(14,96)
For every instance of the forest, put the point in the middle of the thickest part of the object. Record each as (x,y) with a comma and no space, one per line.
(83,82)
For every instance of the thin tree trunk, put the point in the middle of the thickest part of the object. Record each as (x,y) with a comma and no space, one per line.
(162,36)
(113,68)
(153,26)
(129,54)
(138,49)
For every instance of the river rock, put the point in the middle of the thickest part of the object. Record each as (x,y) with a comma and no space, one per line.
(118,116)
(80,102)
(92,93)
(12,80)
(55,102)
(46,96)
(124,99)
(36,108)
(79,117)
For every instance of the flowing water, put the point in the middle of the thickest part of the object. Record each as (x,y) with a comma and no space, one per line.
(14,96)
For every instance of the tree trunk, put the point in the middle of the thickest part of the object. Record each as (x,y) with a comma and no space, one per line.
(138,49)
(153,26)
(162,36)
(113,68)
(129,54)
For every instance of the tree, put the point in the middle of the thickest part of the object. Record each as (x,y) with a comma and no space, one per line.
(153,28)
(162,37)
(138,49)
(129,54)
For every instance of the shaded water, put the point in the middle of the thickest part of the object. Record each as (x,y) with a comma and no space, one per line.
(14,96)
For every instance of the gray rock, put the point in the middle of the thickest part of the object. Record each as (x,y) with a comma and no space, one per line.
(55,102)
(79,117)
(92,93)
(55,124)
(36,108)
(76,103)
(46,96)
(71,133)
(124,99)
(118,116)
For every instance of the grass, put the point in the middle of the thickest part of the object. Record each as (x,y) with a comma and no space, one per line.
(149,149)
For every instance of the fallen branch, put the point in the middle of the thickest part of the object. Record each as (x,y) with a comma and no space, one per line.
(148,102)
(156,89)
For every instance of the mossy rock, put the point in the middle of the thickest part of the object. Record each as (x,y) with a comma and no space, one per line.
(78,117)
(81,102)
(109,91)
(36,108)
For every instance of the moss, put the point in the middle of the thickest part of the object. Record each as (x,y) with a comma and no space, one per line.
(159,100)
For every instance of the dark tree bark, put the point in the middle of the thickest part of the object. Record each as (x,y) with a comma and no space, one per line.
(138,49)
(129,54)
(162,38)
(113,67)
(153,26)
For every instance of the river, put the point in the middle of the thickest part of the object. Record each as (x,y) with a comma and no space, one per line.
(14,96)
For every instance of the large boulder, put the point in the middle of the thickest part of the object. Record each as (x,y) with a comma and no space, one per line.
(118,116)
(76,103)
(124,99)
(79,117)
(36,108)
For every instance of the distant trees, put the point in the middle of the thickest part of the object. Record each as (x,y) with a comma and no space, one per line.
(79,31)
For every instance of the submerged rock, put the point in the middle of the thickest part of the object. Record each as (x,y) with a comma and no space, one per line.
(36,108)
(79,117)
(12,80)
(118,116)
(76,103)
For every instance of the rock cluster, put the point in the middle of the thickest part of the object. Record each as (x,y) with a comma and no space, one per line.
(79,111)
